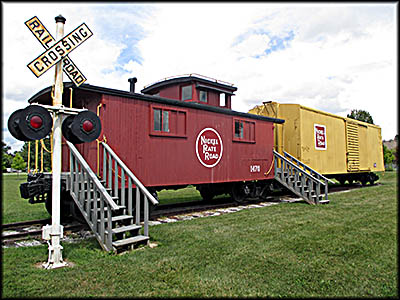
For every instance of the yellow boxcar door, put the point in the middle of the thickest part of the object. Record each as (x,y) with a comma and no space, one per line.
(364,150)
(352,147)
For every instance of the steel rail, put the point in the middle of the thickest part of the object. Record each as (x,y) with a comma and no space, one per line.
(24,223)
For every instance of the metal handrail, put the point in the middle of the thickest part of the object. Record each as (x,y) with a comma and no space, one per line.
(130,174)
(190,75)
(298,168)
(306,167)
(93,177)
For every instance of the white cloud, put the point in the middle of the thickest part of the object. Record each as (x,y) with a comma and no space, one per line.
(342,56)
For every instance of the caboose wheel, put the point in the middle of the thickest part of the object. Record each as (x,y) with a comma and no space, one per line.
(240,192)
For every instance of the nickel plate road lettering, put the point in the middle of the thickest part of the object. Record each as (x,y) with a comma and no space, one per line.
(59,50)
(47,40)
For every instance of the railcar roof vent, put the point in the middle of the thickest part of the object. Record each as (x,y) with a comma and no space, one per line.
(132,81)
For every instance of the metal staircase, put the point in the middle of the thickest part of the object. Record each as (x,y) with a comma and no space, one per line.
(301,179)
(111,210)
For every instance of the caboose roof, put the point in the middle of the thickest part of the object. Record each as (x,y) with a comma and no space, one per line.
(44,97)
(204,83)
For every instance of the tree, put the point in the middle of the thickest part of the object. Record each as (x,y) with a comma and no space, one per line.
(361,115)
(388,155)
(6,148)
(18,162)
(6,157)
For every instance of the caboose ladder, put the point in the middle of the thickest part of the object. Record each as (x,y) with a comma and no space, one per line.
(110,214)
(301,179)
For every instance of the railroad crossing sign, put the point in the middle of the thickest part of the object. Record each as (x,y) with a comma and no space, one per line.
(56,51)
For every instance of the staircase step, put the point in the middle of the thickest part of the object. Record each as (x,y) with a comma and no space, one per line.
(131,240)
(90,181)
(314,197)
(108,190)
(126,228)
(118,218)
(113,198)
(105,208)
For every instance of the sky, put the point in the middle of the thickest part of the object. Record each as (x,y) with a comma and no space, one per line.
(333,57)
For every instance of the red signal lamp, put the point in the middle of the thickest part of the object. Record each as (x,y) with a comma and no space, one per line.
(87,125)
(36,122)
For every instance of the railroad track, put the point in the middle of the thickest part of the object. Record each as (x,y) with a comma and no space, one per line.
(23,230)
(165,210)
(14,232)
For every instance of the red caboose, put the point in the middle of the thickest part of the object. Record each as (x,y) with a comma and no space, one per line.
(177,132)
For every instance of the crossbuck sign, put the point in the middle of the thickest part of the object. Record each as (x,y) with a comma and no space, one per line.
(57,51)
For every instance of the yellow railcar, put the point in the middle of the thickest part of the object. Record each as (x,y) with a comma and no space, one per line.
(338,147)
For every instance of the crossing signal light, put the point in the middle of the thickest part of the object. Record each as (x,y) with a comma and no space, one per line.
(31,123)
(82,128)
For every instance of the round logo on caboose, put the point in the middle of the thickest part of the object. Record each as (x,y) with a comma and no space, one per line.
(209,147)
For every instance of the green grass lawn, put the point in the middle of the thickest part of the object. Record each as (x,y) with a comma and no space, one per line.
(15,208)
(347,248)
(188,194)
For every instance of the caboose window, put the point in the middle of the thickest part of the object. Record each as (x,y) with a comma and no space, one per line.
(244,131)
(186,92)
(168,121)
(157,119)
(238,129)
(165,121)
(203,96)
(161,117)
(222,99)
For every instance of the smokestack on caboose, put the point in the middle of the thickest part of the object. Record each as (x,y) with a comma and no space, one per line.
(132,82)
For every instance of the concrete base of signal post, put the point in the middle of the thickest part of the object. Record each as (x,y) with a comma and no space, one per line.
(55,249)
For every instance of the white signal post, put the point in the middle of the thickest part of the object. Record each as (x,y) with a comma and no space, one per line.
(56,229)
(54,233)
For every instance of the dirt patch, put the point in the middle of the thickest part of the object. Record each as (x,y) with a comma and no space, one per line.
(70,264)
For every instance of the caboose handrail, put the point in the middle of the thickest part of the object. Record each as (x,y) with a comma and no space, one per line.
(92,176)
(307,167)
(190,75)
(130,174)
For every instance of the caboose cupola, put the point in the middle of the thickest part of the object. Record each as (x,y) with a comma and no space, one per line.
(193,88)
